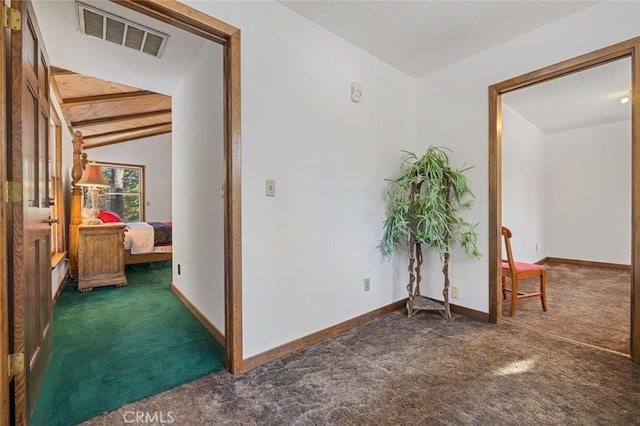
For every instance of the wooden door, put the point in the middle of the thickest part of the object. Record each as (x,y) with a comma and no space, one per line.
(30,274)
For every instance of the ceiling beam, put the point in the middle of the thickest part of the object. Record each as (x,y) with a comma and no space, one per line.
(110,97)
(119,118)
(125,138)
(60,71)
(125,131)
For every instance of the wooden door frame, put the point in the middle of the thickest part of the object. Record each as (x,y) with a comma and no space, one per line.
(203,25)
(4,282)
(626,49)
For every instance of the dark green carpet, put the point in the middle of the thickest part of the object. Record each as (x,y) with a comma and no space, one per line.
(117,345)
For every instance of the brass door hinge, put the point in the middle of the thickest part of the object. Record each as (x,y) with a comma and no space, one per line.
(16,364)
(14,192)
(12,18)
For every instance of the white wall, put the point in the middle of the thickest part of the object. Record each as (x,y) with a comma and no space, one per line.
(589,193)
(523,185)
(453,109)
(154,153)
(307,250)
(198,221)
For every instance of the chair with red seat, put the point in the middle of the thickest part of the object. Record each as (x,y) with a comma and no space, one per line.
(516,271)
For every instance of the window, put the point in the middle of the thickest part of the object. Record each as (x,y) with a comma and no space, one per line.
(125,196)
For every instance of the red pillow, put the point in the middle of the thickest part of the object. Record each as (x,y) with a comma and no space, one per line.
(109,217)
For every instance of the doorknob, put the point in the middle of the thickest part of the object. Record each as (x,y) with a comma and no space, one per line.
(52,221)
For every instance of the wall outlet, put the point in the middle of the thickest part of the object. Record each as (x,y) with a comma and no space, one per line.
(455,292)
(367,284)
(179,271)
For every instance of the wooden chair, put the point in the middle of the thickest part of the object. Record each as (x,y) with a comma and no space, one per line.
(522,270)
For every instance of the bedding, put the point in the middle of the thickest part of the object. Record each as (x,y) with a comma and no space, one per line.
(146,237)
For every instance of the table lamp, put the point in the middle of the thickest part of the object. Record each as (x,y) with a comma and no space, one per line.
(93,178)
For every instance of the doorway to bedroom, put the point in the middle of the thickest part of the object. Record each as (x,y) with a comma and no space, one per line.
(551,196)
(629,49)
(223,157)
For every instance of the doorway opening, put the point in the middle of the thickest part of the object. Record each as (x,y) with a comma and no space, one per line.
(627,49)
(566,193)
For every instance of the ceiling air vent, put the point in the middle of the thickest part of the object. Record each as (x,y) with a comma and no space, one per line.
(97,23)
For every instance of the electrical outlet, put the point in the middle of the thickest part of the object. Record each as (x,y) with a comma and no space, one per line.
(367,284)
(179,269)
(455,292)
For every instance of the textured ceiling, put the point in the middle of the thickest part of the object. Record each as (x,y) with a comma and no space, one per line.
(419,37)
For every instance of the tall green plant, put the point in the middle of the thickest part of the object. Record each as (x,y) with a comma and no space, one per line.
(423,209)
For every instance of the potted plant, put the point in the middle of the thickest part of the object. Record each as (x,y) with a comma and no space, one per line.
(423,205)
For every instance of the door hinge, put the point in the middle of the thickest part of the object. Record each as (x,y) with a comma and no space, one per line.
(12,18)
(16,364)
(14,192)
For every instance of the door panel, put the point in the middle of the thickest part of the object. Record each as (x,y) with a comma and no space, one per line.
(30,279)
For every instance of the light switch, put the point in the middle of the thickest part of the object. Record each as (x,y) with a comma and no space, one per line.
(270,188)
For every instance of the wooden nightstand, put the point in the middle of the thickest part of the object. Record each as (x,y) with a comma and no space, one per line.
(101,256)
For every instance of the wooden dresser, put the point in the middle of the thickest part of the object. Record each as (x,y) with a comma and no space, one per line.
(101,256)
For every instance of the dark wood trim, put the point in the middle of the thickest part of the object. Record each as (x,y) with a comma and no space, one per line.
(212,329)
(184,17)
(128,117)
(495,199)
(233,207)
(196,22)
(60,71)
(125,131)
(108,97)
(134,259)
(133,134)
(4,242)
(470,313)
(318,336)
(585,263)
(629,48)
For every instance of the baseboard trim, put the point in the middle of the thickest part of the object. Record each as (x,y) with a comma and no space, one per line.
(61,286)
(586,263)
(212,329)
(468,312)
(311,339)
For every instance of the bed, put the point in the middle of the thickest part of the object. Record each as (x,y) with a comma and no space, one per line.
(135,251)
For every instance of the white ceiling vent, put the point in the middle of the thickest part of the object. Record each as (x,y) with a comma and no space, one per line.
(97,23)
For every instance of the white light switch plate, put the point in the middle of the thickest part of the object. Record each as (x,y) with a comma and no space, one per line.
(270,190)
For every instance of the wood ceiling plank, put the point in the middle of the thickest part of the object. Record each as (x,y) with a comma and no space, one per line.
(128,107)
(109,97)
(107,112)
(120,118)
(105,128)
(90,142)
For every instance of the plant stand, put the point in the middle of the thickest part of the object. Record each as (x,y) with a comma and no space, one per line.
(422,303)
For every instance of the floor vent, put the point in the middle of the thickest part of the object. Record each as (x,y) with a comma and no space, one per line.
(97,23)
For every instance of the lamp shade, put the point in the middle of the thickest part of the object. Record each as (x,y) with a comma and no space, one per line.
(92,176)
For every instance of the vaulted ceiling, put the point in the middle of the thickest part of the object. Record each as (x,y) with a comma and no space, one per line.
(416,37)
(107,112)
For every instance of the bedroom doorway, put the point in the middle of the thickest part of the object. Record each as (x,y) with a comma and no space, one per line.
(627,49)
(550,196)
(210,28)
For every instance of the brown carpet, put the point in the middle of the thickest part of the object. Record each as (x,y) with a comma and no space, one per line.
(414,371)
(585,303)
